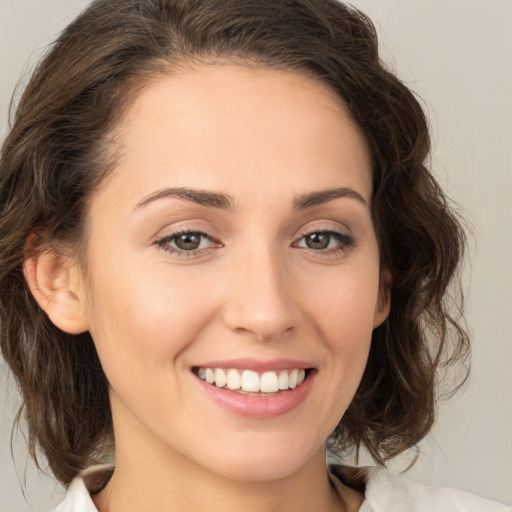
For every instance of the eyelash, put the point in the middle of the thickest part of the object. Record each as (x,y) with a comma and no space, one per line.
(163,243)
(345,242)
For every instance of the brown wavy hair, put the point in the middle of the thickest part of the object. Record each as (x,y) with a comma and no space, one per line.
(59,150)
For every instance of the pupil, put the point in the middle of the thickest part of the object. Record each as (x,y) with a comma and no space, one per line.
(188,241)
(318,241)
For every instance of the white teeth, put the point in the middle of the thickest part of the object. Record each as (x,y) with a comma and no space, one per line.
(269,382)
(233,379)
(252,382)
(220,378)
(209,376)
(292,380)
(283,380)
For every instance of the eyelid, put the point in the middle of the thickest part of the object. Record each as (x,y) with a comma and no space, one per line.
(343,236)
(346,239)
(163,242)
(324,227)
(183,224)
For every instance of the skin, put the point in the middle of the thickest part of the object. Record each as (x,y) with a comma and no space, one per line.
(263,138)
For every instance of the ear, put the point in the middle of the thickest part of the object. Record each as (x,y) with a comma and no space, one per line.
(55,283)
(384,299)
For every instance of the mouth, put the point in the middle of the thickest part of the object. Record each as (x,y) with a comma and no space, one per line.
(256,389)
(253,383)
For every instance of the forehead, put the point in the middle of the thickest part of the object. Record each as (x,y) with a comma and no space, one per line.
(205,126)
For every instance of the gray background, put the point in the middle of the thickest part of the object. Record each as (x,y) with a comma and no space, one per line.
(457,55)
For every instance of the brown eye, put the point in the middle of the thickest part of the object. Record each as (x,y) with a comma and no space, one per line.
(318,241)
(188,241)
(326,241)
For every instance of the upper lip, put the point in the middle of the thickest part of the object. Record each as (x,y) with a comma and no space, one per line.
(256,364)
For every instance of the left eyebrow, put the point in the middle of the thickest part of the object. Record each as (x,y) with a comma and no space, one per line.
(324,196)
(202,197)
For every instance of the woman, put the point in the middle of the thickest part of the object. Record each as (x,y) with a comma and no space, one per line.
(220,249)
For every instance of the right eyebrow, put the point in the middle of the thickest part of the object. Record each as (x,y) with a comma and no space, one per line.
(202,197)
(324,196)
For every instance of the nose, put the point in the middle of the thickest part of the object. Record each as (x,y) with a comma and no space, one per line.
(260,298)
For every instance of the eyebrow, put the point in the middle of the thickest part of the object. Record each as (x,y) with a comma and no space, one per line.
(224,201)
(202,197)
(324,196)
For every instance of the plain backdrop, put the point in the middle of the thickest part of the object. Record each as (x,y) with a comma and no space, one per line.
(457,55)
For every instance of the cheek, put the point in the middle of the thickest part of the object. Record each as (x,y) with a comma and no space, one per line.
(345,303)
(141,318)
(343,312)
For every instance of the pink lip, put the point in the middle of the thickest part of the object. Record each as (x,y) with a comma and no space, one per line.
(259,406)
(257,365)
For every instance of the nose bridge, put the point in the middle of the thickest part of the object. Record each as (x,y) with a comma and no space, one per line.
(260,301)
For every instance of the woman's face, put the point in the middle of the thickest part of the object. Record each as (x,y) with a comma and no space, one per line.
(234,242)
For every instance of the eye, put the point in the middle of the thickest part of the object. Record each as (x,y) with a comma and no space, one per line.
(186,242)
(328,241)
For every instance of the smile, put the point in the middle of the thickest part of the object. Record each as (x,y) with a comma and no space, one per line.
(250,381)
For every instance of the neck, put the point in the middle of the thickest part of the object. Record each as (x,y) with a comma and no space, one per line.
(179,485)
(152,475)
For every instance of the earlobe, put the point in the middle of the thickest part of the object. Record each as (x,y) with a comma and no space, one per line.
(53,281)
(383,300)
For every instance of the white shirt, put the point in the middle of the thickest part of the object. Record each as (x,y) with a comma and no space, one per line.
(384,492)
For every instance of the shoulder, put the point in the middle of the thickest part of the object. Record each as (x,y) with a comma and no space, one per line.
(78,496)
(387,492)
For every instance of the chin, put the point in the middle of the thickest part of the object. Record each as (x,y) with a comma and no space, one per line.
(259,471)
(269,460)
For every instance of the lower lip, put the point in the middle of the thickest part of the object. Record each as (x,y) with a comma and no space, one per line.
(269,406)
